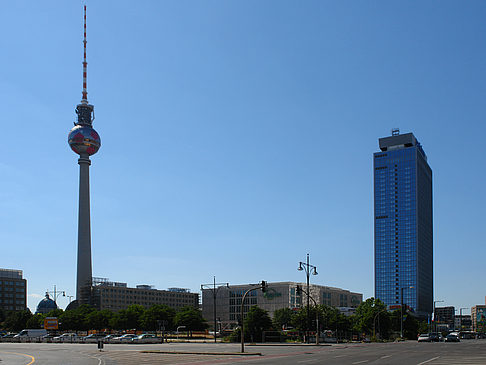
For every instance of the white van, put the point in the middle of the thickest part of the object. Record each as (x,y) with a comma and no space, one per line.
(31,333)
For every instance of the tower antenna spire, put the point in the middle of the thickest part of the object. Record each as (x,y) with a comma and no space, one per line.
(84,100)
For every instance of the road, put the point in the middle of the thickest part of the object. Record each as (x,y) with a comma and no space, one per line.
(469,352)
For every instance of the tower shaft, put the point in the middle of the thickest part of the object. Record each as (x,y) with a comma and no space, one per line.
(84,274)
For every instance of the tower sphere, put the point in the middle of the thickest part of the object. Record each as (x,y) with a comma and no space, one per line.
(84,140)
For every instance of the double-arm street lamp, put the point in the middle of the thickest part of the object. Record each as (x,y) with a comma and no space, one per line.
(56,294)
(401,309)
(308,268)
(215,291)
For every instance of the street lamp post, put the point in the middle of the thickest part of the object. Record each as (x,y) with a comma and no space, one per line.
(56,294)
(317,316)
(434,324)
(215,291)
(307,268)
(401,310)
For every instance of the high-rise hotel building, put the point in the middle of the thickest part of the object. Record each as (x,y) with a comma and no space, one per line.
(403,224)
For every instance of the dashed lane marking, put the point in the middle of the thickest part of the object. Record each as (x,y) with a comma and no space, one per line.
(429,360)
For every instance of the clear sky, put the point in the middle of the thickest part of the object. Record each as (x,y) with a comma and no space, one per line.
(237,136)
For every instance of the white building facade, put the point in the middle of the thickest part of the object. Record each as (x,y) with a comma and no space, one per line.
(278,295)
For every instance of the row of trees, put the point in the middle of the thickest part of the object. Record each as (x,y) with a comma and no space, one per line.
(371,319)
(87,318)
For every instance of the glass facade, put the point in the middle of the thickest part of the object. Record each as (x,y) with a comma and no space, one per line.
(403,224)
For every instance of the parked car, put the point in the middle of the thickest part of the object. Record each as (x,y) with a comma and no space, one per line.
(452,337)
(436,337)
(424,337)
(94,338)
(123,339)
(31,333)
(66,337)
(47,338)
(146,338)
(9,335)
(109,338)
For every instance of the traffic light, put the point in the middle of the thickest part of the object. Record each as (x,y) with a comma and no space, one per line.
(264,286)
(299,290)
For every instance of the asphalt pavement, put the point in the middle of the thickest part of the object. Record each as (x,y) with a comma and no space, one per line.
(467,352)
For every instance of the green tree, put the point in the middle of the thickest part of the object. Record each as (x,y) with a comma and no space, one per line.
(256,321)
(76,319)
(332,319)
(55,313)
(366,315)
(129,318)
(158,312)
(191,318)
(134,314)
(17,320)
(282,317)
(36,321)
(299,319)
(423,327)
(411,326)
(119,320)
(99,320)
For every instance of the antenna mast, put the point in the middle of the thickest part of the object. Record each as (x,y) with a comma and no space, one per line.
(84,100)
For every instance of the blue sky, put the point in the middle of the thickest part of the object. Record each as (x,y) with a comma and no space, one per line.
(237,137)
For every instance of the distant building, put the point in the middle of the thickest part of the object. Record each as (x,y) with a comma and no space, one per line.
(463,322)
(116,296)
(13,290)
(278,295)
(46,305)
(403,224)
(478,318)
(444,317)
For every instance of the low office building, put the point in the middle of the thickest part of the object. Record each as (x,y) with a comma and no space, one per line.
(478,318)
(278,295)
(13,290)
(116,296)
(444,317)
(463,322)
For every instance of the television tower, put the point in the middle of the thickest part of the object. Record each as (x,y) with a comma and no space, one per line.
(85,141)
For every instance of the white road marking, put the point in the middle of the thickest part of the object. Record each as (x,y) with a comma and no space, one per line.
(340,356)
(312,360)
(360,362)
(425,362)
(385,357)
